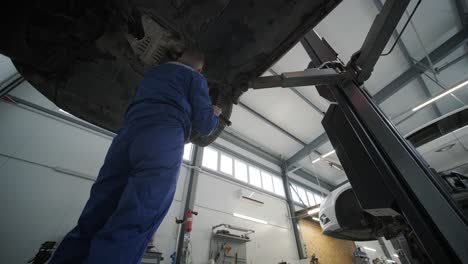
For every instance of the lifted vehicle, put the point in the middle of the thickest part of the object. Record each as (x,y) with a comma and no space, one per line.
(88,56)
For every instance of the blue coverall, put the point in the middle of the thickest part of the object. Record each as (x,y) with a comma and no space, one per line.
(137,182)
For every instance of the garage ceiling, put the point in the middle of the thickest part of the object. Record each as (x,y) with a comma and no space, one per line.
(345,28)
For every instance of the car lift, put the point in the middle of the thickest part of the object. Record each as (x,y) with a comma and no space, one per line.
(387,174)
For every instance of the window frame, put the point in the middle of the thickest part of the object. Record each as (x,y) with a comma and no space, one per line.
(232,164)
(259,176)
(217,159)
(283,194)
(273,175)
(190,153)
(262,172)
(246,171)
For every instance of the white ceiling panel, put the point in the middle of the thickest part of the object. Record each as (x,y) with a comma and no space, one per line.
(435,22)
(310,92)
(386,70)
(403,100)
(287,110)
(262,133)
(347,25)
(296,59)
(346,28)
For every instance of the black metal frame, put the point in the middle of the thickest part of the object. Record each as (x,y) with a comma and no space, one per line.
(189,204)
(292,213)
(387,173)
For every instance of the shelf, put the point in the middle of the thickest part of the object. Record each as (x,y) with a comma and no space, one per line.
(152,255)
(229,237)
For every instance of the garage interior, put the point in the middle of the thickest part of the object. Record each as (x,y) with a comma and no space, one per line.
(265,189)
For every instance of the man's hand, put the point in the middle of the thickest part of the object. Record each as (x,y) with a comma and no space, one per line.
(217,110)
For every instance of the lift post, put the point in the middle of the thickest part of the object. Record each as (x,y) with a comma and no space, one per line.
(388,175)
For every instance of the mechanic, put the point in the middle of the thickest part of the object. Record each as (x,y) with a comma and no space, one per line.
(137,182)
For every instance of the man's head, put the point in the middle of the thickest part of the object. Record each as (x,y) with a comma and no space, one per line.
(193,57)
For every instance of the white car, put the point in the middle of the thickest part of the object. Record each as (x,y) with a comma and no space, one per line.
(443,143)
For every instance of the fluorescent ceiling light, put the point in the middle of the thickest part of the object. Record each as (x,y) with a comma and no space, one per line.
(370,249)
(336,167)
(250,218)
(316,160)
(316,219)
(328,154)
(63,111)
(390,261)
(430,101)
(313,211)
(395,255)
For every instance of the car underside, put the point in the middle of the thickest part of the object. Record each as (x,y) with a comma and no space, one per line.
(88,57)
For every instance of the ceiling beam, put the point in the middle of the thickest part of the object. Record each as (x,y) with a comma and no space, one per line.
(462,9)
(409,75)
(305,151)
(310,40)
(271,123)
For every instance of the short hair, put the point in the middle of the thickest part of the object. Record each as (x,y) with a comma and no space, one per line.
(192,56)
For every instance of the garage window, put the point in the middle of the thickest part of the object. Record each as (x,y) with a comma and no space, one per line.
(294,193)
(318,198)
(188,152)
(302,195)
(226,164)
(278,186)
(254,177)
(311,199)
(210,159)
(222,163)
(240,171)
(267,181)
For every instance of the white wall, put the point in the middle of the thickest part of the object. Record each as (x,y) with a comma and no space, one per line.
(217,199)
(40,203)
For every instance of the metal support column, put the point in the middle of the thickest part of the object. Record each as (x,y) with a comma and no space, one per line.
(292,213)
(190,193)
(384,248)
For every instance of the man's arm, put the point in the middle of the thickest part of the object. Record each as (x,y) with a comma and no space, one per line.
(204,119)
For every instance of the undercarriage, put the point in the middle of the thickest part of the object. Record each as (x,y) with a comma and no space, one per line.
(88,57)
